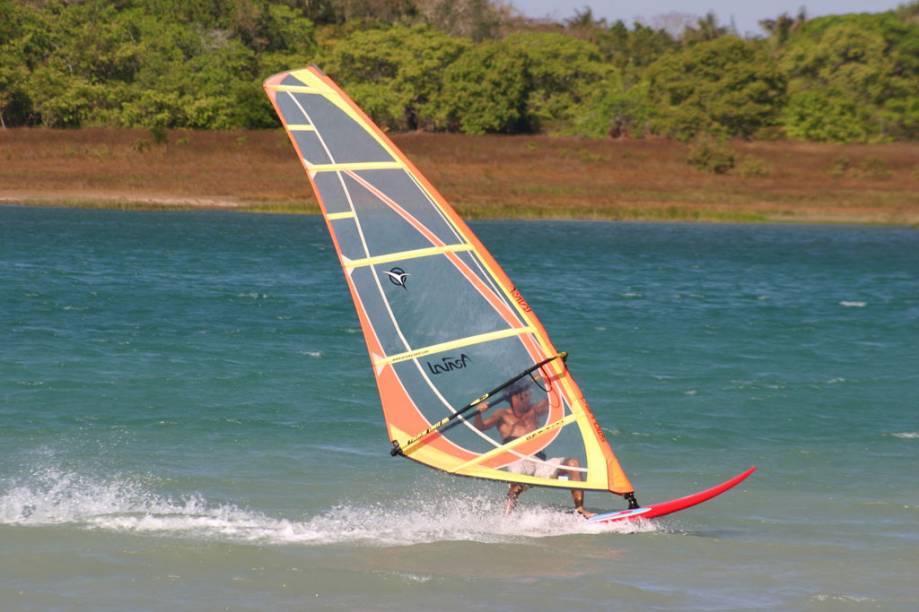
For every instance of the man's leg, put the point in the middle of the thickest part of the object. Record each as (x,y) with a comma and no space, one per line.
(513,492)
(577,495)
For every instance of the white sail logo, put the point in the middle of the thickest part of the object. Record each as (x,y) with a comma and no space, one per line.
(397,276)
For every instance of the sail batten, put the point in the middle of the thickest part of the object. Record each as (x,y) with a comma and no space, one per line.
(510,446)
(351,166)
(441,320)
(296,88)
(403,255)
(455,344)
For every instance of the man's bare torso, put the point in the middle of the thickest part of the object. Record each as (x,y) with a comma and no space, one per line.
(512,425)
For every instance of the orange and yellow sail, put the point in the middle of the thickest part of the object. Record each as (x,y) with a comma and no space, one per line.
(442,321)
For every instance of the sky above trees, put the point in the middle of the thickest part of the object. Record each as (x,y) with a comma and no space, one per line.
(746,15)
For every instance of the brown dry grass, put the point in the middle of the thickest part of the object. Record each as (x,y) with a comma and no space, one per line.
(484,176)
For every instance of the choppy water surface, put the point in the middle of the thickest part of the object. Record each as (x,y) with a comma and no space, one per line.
(188,421)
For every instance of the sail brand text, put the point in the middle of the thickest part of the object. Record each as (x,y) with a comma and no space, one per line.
(598,430)
(448,364)
(519,298)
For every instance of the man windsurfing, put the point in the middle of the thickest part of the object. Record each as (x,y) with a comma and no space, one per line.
(522,417)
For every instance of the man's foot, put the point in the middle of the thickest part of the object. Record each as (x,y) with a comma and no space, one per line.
(585,513)
(633,503)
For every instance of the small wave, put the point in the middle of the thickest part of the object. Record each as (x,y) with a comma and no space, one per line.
(407,577)
(906,435)
(30,383)
(313,354)
(56,498)
(822,597)
(852,304)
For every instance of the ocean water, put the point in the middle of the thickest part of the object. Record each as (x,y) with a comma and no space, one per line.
(188,422)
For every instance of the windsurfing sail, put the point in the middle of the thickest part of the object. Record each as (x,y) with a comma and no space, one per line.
(452,342)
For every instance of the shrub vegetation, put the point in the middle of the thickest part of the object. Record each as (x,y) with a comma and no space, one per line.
(471,66)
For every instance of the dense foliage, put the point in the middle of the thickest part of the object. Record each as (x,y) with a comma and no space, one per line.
(466,65)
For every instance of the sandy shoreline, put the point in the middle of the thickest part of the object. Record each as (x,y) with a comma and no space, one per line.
(484,177)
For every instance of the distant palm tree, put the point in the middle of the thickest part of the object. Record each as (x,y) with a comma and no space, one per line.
(583,19)
(706,28)
(783,25)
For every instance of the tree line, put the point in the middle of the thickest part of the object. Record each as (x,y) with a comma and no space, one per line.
(472,66)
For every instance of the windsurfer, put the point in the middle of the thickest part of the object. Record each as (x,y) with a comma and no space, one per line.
(521,418)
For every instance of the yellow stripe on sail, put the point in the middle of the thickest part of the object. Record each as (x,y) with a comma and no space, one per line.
(294,88)
(453,344)
(514,444)
(413,254)
(393,165)
(301,127)
(340,215)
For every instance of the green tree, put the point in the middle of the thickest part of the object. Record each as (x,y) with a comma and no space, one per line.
(14,102)
(706,28)
(476,19)
(270,27)
(635,49)
(909,11)
(394,73)
(152,63)
(725,86)
(866,65)
(384,11)
(486,90)
(781,28)
(562,72)
(615,110)
(825,115)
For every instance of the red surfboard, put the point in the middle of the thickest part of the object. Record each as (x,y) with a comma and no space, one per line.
(674,505)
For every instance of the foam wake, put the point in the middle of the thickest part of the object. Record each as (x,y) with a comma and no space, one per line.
(59,498)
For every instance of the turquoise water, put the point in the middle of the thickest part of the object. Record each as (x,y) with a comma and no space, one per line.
(188,421)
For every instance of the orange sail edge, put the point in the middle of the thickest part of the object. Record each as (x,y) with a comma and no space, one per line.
(398,425)
(619,483)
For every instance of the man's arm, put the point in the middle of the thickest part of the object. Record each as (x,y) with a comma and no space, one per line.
(483,424)
(542,407)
